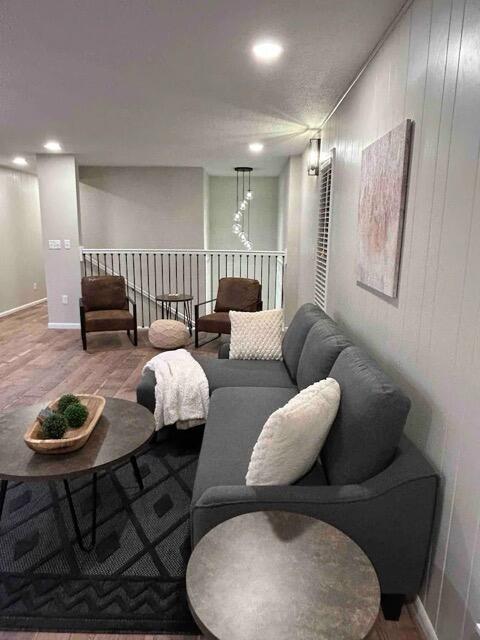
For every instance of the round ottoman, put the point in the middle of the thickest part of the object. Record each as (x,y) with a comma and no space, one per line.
(168,334)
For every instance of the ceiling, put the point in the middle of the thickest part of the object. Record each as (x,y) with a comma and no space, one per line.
(172,82)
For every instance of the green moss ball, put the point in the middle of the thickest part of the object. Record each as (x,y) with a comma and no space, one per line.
(66,400)
(76,414)
(54,426)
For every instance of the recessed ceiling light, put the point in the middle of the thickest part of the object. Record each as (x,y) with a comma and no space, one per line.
(255,147)
(20,160)
(52,145)
(267,50)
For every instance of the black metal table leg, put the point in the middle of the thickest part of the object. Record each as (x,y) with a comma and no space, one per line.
(188,315)
(76,526)
(3,493)
(136,471)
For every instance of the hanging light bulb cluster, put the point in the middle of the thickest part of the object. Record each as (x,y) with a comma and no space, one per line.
(241,217)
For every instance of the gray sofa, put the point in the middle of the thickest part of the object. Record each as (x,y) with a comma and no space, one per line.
(370,481)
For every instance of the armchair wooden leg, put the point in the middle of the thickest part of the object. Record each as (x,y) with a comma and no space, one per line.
(84,339)
(196,337)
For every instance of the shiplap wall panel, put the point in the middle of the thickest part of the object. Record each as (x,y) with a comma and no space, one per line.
(429,338)
(452,282)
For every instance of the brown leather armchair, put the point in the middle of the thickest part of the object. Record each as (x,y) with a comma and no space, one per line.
(104,307)
(234,294)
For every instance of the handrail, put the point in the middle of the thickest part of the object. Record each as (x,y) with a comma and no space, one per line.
(184,251)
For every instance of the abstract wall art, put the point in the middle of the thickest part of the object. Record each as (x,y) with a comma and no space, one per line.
(383,187)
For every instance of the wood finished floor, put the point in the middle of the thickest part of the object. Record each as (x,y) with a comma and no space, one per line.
(37,364)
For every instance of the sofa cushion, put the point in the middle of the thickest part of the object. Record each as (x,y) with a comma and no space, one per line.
(104,292)
(218,322)
(109,320)
(245,373)
(323,345)
(238,294)
(235,419)
(296,334)
(369,422)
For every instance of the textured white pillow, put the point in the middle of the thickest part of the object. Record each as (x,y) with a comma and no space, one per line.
(256,336)
(293,436)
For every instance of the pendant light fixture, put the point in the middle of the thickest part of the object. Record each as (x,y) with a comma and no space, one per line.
(241,217)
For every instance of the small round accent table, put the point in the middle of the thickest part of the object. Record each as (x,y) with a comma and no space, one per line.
(122,431)
(274,575)
(167,302)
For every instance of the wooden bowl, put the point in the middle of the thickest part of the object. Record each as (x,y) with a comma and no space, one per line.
(74,438)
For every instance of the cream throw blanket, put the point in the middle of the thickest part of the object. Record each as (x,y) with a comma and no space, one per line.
(181,390)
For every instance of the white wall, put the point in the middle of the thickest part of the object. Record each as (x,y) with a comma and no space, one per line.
(21,261)
(142,207)
(263,215)
(429,339)
(283,186)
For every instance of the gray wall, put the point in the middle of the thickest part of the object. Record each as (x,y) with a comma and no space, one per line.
(142,207)
(20,240)
(58,188)
(308,223)
(290,195)
(263,216)
(429,71)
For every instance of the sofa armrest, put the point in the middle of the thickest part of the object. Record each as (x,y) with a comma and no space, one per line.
(202,304)
(390,516)
(146,390)
(224,350)
(134,308)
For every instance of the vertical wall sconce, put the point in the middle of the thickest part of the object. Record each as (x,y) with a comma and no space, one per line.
(314,157)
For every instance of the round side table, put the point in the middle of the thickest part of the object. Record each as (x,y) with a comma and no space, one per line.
(169,311)
(123,430)
(274,575)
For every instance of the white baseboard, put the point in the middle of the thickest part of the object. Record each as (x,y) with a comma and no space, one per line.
(76,325)
(8,312)
(421,617)
(64,325)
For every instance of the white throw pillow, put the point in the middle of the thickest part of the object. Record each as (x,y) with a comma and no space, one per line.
(256,336)
(293,436)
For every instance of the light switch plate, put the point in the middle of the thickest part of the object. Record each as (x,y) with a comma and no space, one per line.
(64,299)
(54,244)
(66,244)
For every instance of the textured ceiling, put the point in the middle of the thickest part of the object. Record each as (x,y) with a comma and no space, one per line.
(172,82)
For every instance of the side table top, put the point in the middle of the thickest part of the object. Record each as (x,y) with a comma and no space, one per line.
(121,431)
(275,575)
(174,297)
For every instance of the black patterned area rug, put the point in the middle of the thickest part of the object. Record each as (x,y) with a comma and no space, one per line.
(134,578)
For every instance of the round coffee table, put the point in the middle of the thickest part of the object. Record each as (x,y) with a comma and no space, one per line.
(124,428)
(167,300)
(274,575)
